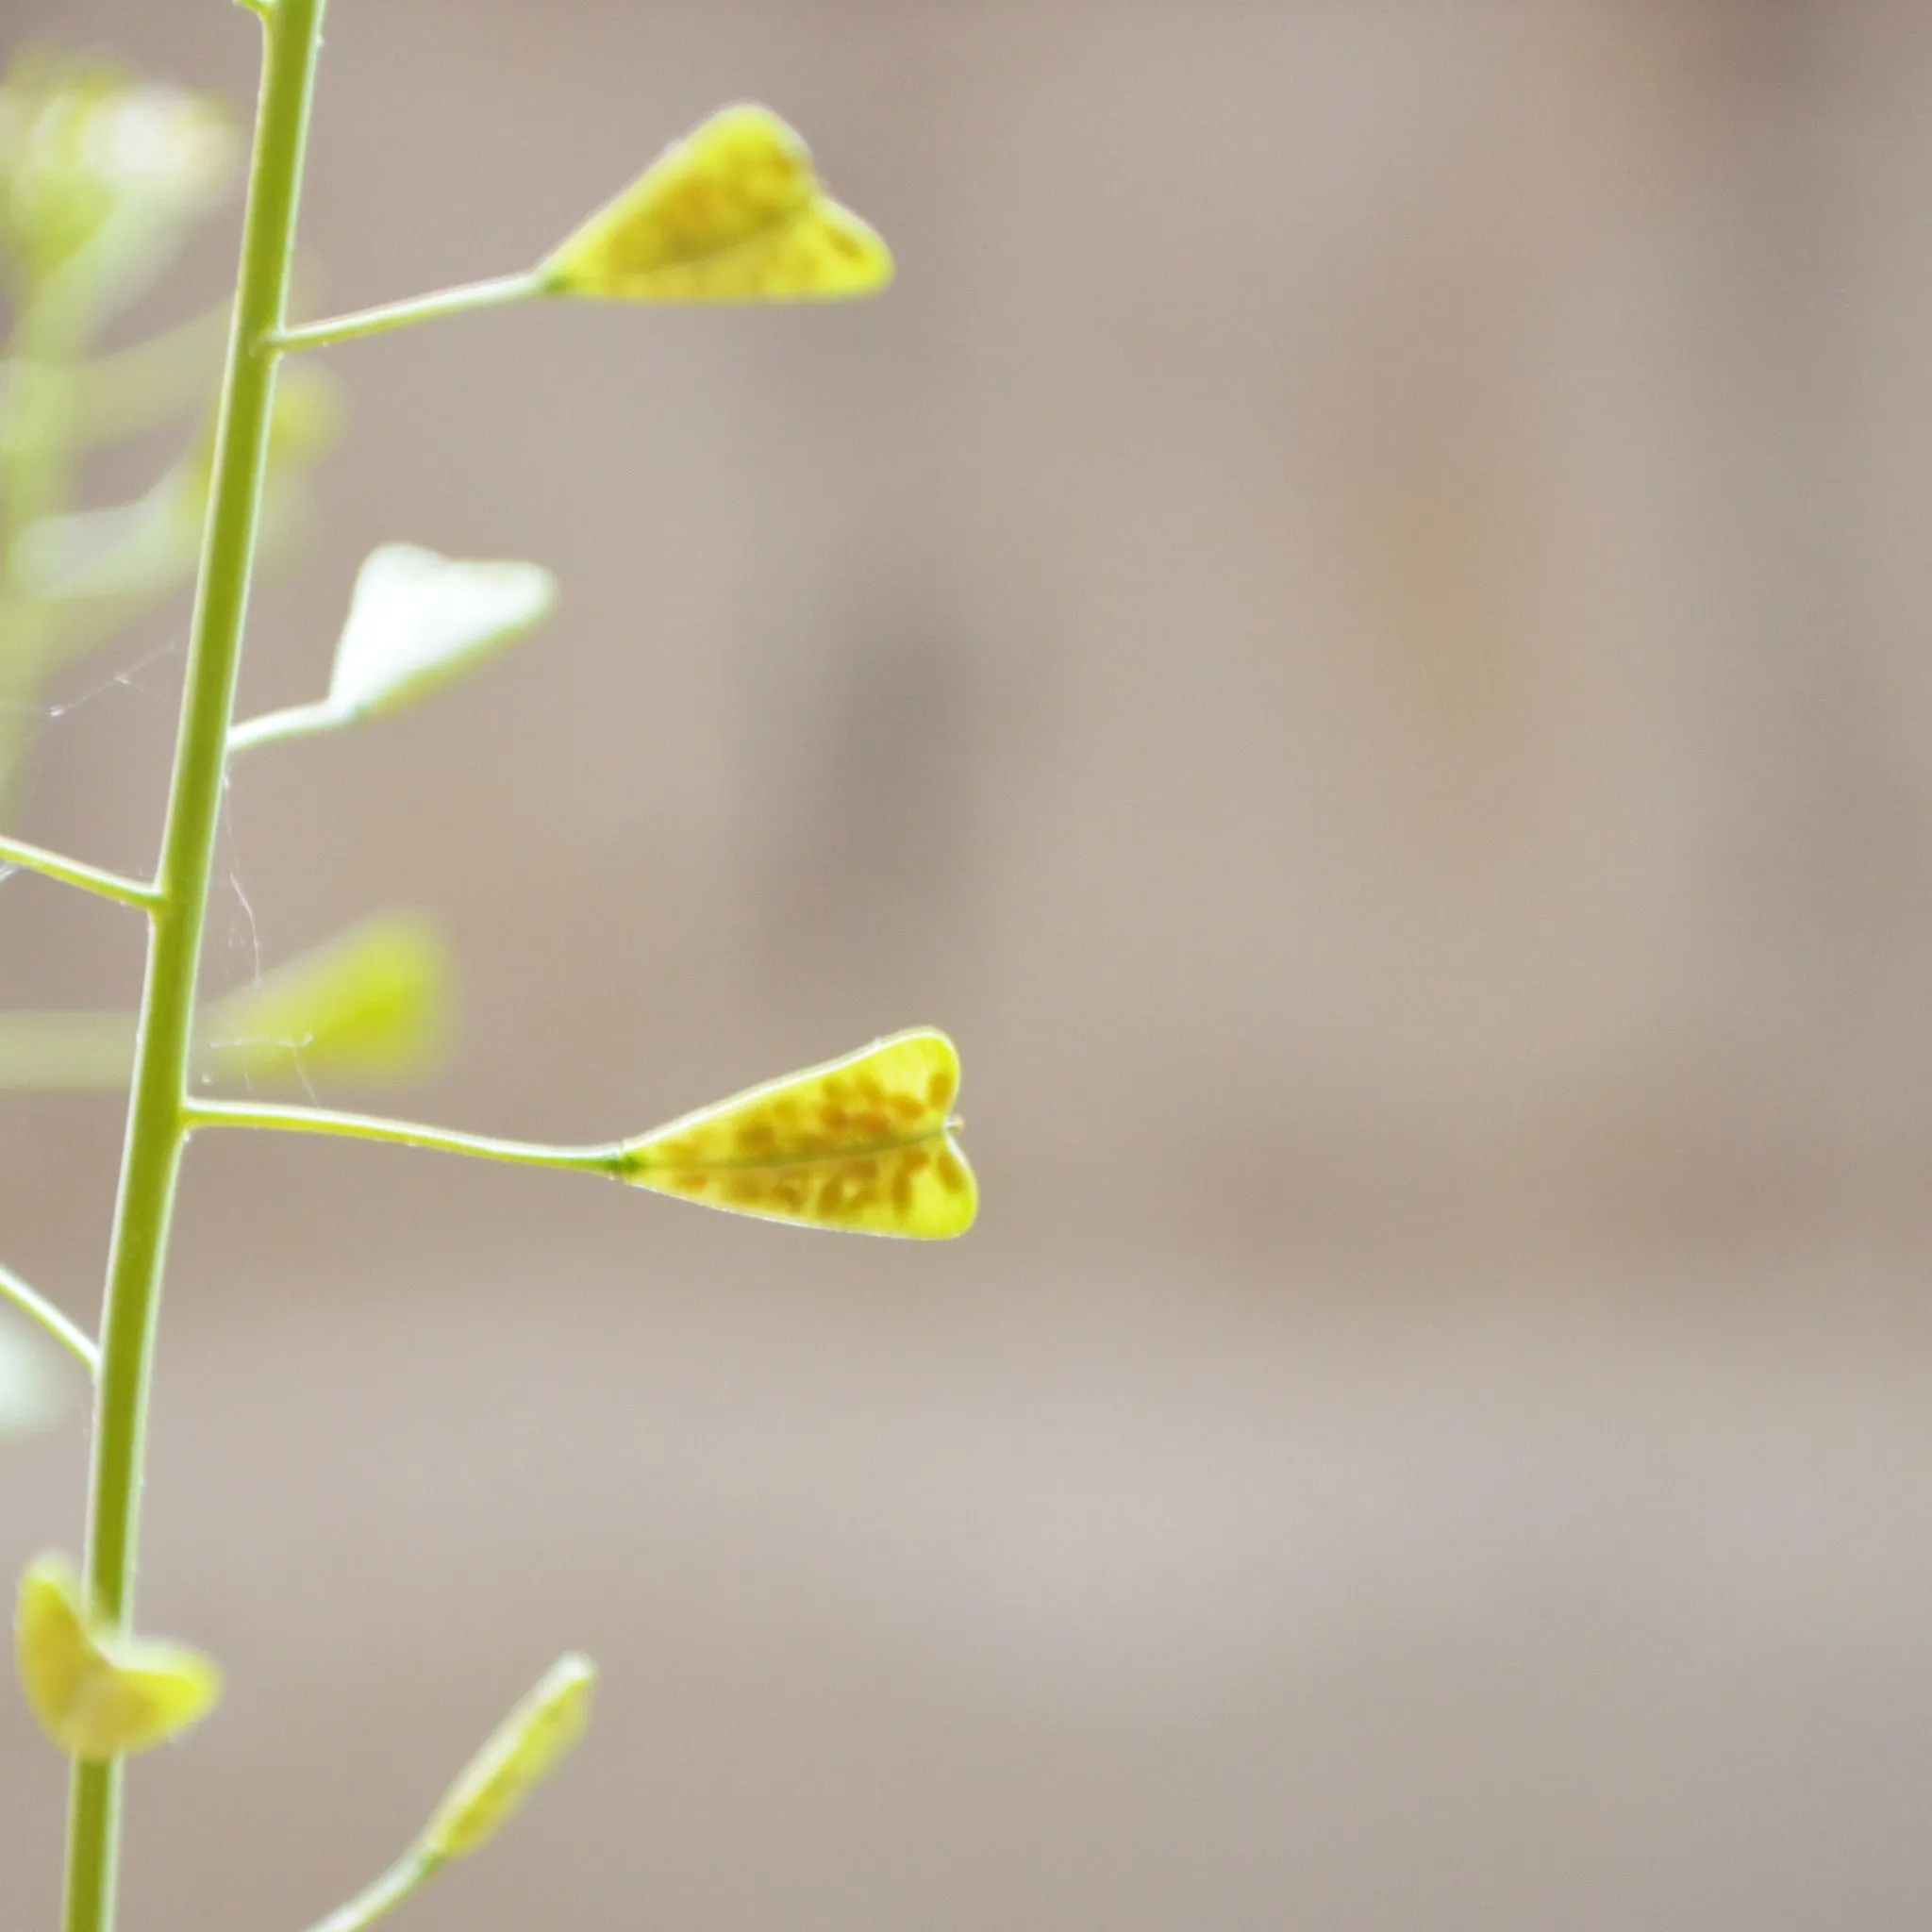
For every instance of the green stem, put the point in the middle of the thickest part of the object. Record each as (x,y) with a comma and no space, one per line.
(274,728)
(73,871)
(390,1891)
(495,294)
(29,1301)
(157,1129)
(361,1126)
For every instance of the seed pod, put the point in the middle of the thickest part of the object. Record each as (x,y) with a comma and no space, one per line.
(864,1143)
(520,1753)
(371,1003)
(733,212)
(97,1694)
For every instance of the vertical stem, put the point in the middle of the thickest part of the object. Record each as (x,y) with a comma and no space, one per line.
(151,1157)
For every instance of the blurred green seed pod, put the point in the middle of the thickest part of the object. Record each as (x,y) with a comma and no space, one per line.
(144,549)
(733,212)
(371,1003)
(100,174)
(95,1694)
(520,1753)
(306,417)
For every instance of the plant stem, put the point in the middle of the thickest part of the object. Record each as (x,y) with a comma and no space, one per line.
(274,728)
(494,294)
(29,1301)
(157,1130)
(606,1159)
(384,1896)
(73,871)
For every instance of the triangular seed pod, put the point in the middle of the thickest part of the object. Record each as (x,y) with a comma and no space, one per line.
(97,1694)
(416,622)
(864,1143)
(733,212)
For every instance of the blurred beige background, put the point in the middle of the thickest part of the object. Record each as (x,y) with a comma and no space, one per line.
(1356,629)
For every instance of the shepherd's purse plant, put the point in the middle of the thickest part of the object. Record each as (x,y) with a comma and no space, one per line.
(734,212)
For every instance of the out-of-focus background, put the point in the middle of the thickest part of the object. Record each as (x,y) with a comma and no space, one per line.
(1359,627)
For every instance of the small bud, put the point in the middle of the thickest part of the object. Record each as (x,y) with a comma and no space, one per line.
(520,1753)
(864,1143)
(733,212)
(97,1694)
(371,1003)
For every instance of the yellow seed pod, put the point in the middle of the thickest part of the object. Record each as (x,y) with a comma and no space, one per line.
(522,1751)
(864,1143)
(733,212)
(94,1693)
